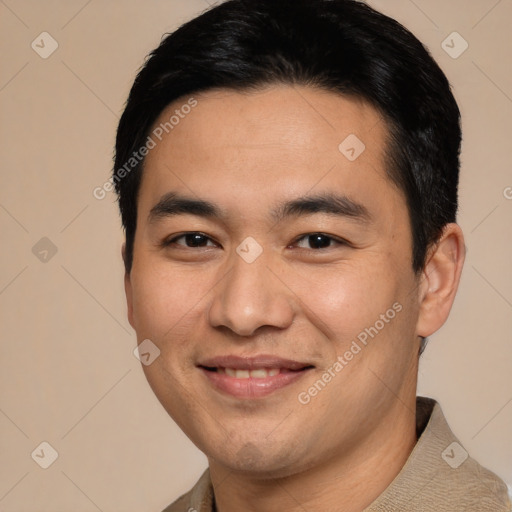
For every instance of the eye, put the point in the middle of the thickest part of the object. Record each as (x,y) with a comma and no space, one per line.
(318,241)
(190,240)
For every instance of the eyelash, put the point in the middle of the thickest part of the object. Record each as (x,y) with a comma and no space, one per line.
(337,240)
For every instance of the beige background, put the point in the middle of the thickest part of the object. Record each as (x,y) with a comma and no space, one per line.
(68,374)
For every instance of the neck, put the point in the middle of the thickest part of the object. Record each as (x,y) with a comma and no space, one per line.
(348,482)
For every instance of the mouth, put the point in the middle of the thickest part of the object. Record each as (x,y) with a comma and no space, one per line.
(252,377)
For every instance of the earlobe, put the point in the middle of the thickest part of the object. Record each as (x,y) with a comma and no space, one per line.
(127,288)
(440,280)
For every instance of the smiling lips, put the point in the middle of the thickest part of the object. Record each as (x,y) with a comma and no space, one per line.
(252,377)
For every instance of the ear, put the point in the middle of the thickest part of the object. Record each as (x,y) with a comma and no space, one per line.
(440,280)
(127,287)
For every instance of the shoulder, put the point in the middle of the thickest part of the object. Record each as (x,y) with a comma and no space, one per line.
(198,499)
(482,489)
(440,475)
(181,504)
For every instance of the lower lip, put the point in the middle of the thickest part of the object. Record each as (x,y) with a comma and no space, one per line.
(251,387)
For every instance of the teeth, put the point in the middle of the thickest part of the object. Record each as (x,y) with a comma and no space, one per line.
(260,373)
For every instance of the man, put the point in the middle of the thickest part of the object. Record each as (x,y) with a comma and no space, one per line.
(287,174)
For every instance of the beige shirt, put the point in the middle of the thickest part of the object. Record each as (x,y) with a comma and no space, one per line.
(438,476)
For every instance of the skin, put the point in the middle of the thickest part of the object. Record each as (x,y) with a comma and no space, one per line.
(248,152)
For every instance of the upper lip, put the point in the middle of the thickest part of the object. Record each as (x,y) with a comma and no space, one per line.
(253,362)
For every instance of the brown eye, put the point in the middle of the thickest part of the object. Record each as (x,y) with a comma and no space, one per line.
(191,240)
(317,241)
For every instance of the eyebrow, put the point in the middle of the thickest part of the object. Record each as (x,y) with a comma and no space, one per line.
(172,204)
(330,203)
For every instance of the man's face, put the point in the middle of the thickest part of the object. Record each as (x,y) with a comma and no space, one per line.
(253,308)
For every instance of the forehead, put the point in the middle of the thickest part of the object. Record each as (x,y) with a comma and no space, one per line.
(250,146)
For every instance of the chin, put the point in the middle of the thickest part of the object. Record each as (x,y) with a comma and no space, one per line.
(258,461)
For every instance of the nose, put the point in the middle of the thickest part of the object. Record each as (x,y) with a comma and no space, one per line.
(249,297)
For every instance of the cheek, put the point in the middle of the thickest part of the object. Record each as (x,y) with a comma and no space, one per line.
(346,299)
(163,299)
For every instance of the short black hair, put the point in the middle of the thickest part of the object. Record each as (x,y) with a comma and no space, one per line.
(342,46)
